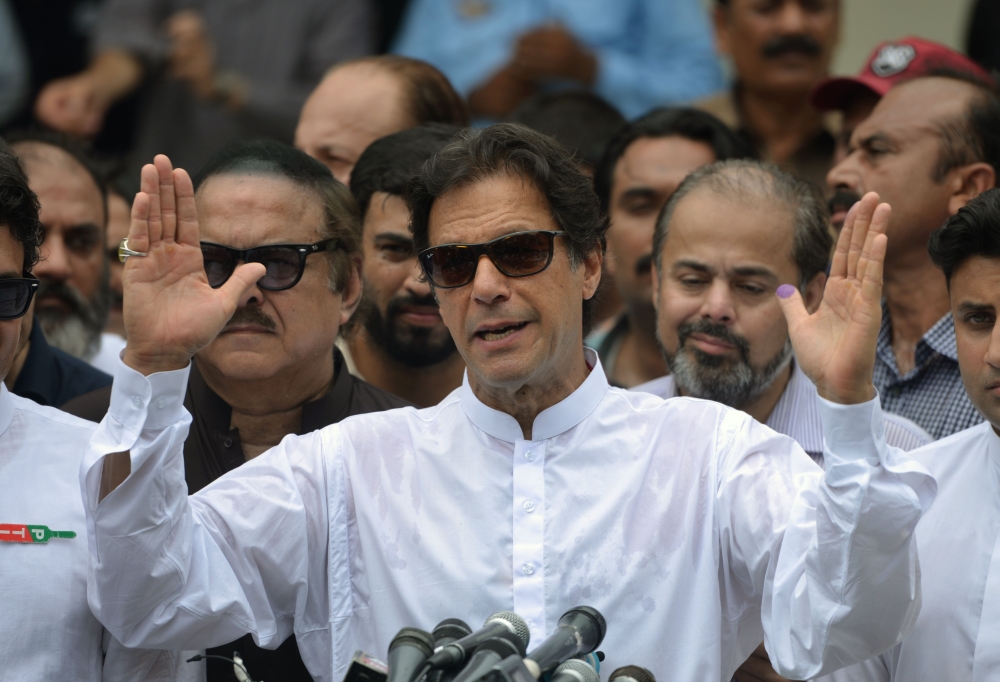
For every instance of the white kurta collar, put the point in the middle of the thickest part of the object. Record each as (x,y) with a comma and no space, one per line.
(550,422)
(6,408)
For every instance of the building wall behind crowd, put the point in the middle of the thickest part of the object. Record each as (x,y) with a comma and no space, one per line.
(868,22)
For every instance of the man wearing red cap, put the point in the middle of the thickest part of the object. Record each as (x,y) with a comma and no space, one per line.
(890,63)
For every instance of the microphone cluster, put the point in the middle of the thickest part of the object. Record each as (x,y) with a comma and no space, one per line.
(496,652)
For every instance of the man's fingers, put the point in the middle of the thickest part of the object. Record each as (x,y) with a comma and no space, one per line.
(871,286)
(863,217)
(168,200)
(187,213)
(138,230)
(149,183)
(838,268)
(877,227)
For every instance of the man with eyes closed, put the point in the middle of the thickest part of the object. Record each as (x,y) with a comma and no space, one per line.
(274,369)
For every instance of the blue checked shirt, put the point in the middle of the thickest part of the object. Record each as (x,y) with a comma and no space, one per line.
(931,394)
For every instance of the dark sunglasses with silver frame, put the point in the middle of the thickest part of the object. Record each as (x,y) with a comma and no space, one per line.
(284,263)
(519,254)
(15,296)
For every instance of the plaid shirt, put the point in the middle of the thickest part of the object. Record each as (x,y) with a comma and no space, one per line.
(931,394)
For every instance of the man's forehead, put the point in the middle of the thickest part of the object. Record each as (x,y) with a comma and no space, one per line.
(917,107)
(650,158)
(246,210)
(487,209)
(976,282)
(11,253)
(40,159)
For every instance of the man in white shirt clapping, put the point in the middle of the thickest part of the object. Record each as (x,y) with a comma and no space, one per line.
(533,487)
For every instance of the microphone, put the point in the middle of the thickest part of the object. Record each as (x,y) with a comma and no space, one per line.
(365,668)
(580,631)
(631,673)
(575,670)
(456,652)
(408,654)
(449,630)
(488,654)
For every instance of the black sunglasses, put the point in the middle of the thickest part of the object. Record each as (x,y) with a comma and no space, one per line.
(15,297)
(516,255)
(284,263)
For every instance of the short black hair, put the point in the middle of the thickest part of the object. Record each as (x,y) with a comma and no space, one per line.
(973,231)
(78,151)
(691,124)
(975,135)
(511,149)
(579,119)
(389,162)
(269,157)
(19,209)
(752,180)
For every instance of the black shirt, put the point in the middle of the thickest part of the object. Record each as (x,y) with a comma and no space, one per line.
(213,448)
(52,377)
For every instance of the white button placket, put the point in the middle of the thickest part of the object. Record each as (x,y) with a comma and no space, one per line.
(529,535)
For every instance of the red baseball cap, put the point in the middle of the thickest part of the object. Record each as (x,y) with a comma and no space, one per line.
(893,62)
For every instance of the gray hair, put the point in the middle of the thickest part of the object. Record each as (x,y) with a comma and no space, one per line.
(753,181)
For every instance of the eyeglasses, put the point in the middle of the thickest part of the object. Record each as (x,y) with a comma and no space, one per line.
(15,297)
(284,263)
(516,255)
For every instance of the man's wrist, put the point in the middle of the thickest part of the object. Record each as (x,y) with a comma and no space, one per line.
(153,363)
(857,397)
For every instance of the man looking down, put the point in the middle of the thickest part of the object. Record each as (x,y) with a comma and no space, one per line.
(533,487)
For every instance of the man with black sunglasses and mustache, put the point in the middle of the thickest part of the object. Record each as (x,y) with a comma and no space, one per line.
(403,346)
(532,488)
(273,370)
(780,50)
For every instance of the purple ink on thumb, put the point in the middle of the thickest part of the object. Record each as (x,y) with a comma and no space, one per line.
(785,290)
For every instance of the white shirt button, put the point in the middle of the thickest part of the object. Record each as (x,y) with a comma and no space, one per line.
(160,403)
(527,569)
(529,506)
(529,455)
(137,401)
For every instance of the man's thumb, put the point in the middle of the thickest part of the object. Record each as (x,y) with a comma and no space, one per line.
(792,306)
(244,277)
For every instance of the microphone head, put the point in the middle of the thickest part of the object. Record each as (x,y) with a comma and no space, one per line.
(453,628)
(515,624)
(505,645)
(580,616)
(631,673)
(581,670)
(416,637)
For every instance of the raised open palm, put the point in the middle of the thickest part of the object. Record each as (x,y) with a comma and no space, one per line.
(170,310)
(835,346)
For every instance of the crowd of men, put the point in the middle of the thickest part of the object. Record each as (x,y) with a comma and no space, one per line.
(528,313)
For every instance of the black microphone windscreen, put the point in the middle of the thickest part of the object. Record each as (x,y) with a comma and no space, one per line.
(451,628)
(631,673)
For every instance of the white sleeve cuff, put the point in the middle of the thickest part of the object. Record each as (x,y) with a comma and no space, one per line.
(852,432)
(139,402)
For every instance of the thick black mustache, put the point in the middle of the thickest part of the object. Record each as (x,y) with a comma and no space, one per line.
(68,294)
(251,315)
(396,305)
(644,265)
(842,200)
(791,44)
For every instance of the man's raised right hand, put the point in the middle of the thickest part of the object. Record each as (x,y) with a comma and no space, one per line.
(170,310)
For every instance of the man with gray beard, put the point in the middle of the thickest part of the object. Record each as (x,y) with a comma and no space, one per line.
(732,235)
(74,294)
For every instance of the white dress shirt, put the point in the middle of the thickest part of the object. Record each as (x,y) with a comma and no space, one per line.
(691,527)
(47,631)
(797,415)
(957,634)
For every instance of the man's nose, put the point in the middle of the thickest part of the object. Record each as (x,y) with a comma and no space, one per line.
(845,175)
(416,283)
(54,262)
(993,350)
(489,284)
(717,305)
(253,296)
(792,19)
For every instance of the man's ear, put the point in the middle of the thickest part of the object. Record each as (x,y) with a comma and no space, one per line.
(350,297)
(968,182)
(592,266)
(720,21)
(656,287)
(813,294)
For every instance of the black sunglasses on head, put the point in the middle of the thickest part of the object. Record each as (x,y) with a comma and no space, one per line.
(516,255)
(15,296)
(284,263)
